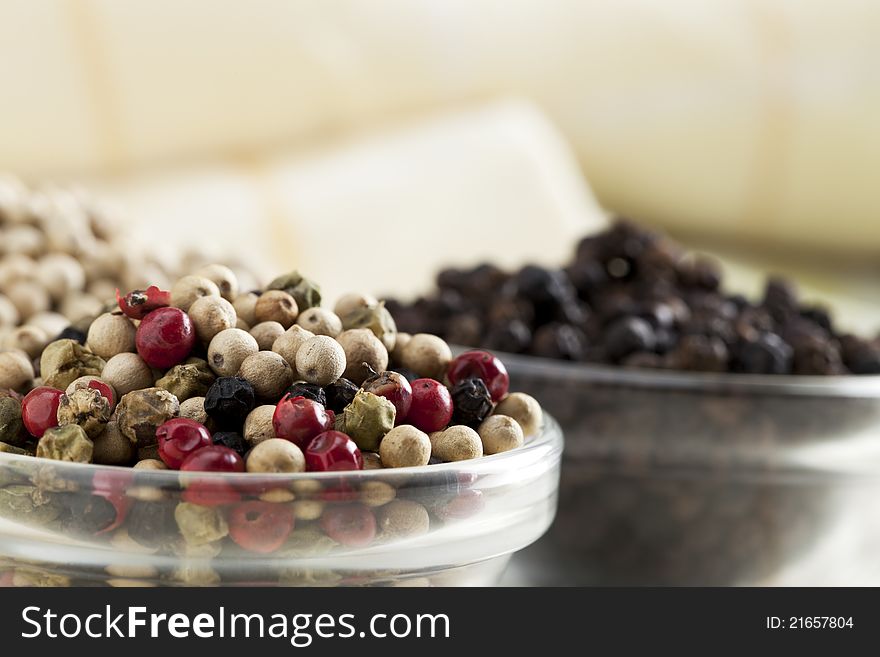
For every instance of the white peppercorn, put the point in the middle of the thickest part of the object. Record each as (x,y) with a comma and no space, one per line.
(427,355)
(377,493)
(111,447)
(194,409)
(147,493)
(127,372)
(523,408)
(29,298)
(348,303)
(265,333)
(189,288)
(85,407)
(210,315)
(500,433)
(362,347)
(320,360)
(276,306)
(67,443)
(258,424)
(399,345)
(60,274)
(103,289)
(228,349)
(456,443)
(16,370)
(29,339)
(245,307)
(111,334)
(268,373)
(50,322)
(405,446)
(276,455)
(25,239)
(241,324)
(8,312)
(403,518)
(16,267)
(79,305)
(289,342)
(320,321)
(223,277)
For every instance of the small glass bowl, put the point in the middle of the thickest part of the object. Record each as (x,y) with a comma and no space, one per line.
(449,524)
(677,478)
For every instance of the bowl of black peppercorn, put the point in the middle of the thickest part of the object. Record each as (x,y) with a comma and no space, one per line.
(710,439)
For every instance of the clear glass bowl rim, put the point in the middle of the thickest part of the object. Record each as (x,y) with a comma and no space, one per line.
(547,445)
(852,386)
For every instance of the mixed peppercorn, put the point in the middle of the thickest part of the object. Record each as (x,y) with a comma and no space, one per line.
(633,297)
(179,380)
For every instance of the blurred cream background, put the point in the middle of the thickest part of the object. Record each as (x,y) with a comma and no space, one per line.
(273,124)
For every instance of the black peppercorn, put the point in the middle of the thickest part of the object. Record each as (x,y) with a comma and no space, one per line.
(72,333)
(309,391)
(149,523)
(471,402)
(767,354)
(89,514)
(340,394)
(233,440)
(229,400)
(513,337)
(628,335)
(562,341)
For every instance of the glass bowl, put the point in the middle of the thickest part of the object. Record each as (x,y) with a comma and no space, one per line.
(675,478)
(448,524)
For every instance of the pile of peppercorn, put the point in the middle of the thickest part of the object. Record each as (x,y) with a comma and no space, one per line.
(204,378)
(633,297)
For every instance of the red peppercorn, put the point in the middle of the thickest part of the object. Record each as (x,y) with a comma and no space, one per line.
(138,303)
(111,485)
(481,365)
(213,458)
(212,491)
(352,525)
(299,419)
(165,337)
(180,437)
(431,408)
(39,410)
(260,527)
(105,390)
(333,451)
(466,504)
(395,388)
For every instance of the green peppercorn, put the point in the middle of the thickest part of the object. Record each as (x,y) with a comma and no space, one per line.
(377,319)
(6,448)
(67,443)
(306,292)
(140,413)
(200,524)
(367,419)
(192,378)
(86,408)
(10,420)
(64,361)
